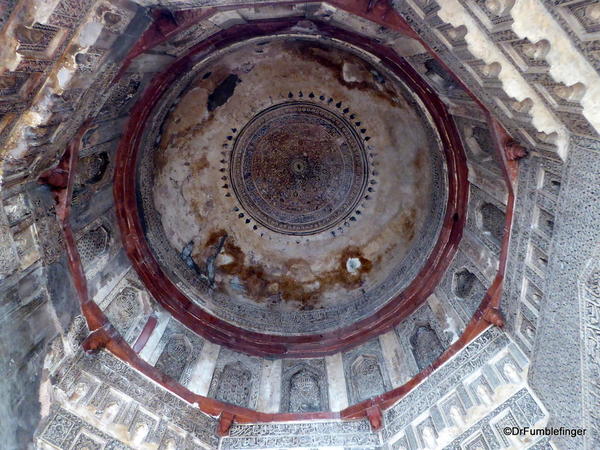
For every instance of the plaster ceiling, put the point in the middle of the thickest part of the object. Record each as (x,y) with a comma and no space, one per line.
(295,186)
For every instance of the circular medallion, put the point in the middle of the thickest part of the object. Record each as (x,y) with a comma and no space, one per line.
(298,168)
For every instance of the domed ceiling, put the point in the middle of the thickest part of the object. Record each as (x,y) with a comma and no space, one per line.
(292,187)
(211,184)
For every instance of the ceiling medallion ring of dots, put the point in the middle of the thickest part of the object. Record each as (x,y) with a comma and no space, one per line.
(300,167)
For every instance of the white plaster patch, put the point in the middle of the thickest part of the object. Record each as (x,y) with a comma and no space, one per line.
(353,265)
(63,76)
(223,258)
(351,73)
(452,329)
(89,33)
(336,382)
(202,372)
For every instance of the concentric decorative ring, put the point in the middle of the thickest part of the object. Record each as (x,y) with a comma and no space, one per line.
(298,168)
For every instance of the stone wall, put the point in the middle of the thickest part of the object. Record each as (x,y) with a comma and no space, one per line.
(40,92)
(534,65)
(37,304)
(101,401)
(330,384)
(567,329)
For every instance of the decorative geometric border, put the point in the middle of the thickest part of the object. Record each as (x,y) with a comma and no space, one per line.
(310,224)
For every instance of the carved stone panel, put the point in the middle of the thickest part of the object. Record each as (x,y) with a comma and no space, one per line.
(367,377)
(426,346)
(9,260)
(422,337)
(175,356)
(236,379)
(91,169)
(304,386)
(37,40)
(125,309)
(128,406)
(492,221)
(569,387)
(177,352)
(352,434)
(589,298)
(304,392)
(234,384)
(121,96)
(478,143)
(485,218)
(77,332)
(92,245)
(366,373)
(464,283)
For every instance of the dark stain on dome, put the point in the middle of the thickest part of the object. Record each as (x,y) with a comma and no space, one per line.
(262,286)
(324,57)
(420,160)
(408,224)
(222,92)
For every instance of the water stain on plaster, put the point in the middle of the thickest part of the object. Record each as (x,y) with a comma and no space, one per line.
(420,160)
(408,225)
(200,164)
(372,82)
(179,139)
(297,285)
(182,138)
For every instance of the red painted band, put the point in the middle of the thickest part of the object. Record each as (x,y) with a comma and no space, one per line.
(142,339)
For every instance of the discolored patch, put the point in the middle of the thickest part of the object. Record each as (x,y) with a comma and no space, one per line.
(200,164)
(335,64)
(182,137)
(420,160)
(214,237)
(408,225)
(260,285)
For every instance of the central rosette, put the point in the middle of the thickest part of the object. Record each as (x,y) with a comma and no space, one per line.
(299,168)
